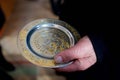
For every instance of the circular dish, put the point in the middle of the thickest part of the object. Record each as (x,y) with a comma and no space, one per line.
(40,40)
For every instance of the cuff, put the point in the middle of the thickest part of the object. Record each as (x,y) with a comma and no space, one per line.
(99,46)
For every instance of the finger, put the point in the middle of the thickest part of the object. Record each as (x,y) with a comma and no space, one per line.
(80,50)
(70,68)
(78,65)
(67,55)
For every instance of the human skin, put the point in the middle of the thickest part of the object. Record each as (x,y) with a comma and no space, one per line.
(82,54)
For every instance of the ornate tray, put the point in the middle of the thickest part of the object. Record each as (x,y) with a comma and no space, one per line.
(40,40)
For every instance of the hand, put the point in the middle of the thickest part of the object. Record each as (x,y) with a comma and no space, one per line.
(82,55)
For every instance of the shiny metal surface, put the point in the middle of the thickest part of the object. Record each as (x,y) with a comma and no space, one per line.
(40,40)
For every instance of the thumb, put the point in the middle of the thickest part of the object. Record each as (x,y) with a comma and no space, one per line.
(80,50)
(67,55)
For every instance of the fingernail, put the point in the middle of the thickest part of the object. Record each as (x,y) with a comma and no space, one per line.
(58,59)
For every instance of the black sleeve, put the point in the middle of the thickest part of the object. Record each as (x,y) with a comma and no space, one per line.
(99,21)
(99,46)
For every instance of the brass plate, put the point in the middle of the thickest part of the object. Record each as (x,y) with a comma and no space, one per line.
(40,40)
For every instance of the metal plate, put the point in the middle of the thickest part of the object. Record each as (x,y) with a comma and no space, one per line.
(40,40)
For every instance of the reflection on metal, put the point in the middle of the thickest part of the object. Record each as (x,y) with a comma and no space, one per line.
(40,40)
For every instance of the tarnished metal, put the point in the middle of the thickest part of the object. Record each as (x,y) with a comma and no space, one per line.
(40,40)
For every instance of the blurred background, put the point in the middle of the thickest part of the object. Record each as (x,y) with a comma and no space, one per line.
(14,14)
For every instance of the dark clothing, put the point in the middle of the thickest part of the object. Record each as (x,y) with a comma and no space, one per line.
(98,20)
(2,18)
(5,66)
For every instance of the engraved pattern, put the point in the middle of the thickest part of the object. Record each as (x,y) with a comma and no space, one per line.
(46,41)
